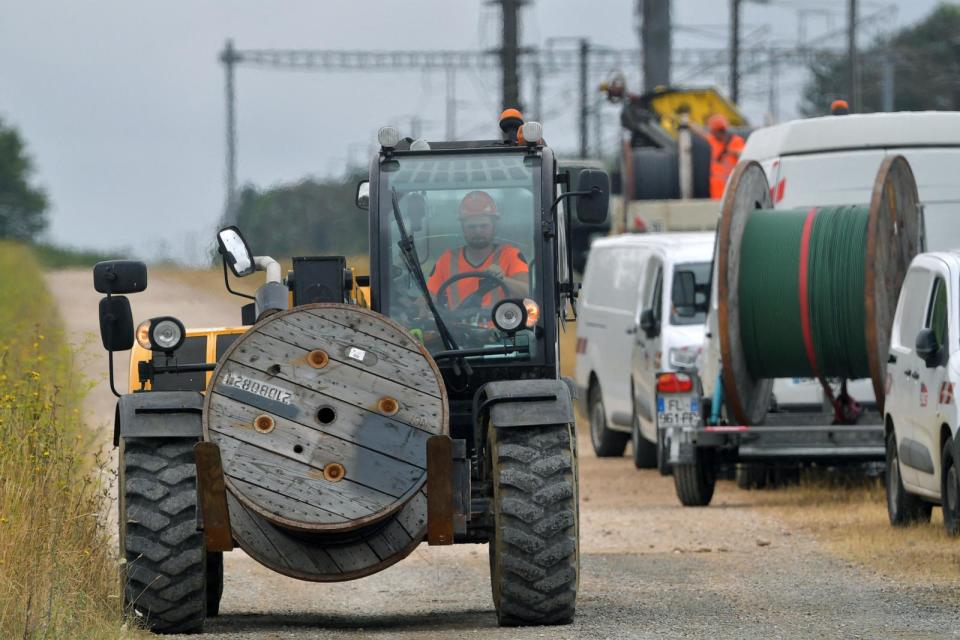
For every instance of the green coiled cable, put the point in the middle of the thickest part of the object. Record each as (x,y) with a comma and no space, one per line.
(779,339)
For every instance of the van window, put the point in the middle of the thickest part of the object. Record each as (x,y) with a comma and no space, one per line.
(701,275)
(612,278)
(913,301)
(937,312)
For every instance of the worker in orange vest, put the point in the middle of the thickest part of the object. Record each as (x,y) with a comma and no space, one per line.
(725,149)
(480,254)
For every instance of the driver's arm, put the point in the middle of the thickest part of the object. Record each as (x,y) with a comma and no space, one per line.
(517,275)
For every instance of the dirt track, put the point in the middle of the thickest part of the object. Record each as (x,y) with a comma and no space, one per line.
(650,568)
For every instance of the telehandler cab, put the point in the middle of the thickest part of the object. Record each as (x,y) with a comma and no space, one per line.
(327,439)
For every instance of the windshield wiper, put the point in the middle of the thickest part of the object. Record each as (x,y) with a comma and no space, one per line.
(408,250)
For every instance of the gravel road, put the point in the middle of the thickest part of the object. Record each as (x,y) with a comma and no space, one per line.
(650,568)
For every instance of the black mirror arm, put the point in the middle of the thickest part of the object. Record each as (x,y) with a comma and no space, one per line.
(570,194)
(226,281)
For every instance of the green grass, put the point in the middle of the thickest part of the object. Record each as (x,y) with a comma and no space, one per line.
(58,573)
(54,257)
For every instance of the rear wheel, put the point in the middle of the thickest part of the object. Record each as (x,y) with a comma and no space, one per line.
(644,451)
(950,490)
(165,583)
(606,442)
(534,550)
(903,508)
(695,482)
(663,455)
(751,475)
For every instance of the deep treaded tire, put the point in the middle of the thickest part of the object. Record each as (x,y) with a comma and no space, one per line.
(903,508)
(534,552)
(950,490)
(695,482)
(165,581)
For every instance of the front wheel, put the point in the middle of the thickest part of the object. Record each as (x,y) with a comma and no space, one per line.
(903,508)
(644,451)
(695,481)
(166,561)
(607,443)
(534,550)
(950,490)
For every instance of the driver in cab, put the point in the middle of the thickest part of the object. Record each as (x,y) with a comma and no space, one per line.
(479,255)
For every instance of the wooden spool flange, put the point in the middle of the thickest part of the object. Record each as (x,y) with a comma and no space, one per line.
(893,239)
(350,399)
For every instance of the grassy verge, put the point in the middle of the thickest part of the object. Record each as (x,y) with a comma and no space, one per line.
(54,257)
(849,516)
(58,578)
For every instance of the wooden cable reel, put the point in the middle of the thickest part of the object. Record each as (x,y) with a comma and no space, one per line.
(892,240)
(322,414)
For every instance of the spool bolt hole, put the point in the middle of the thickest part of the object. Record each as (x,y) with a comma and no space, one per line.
(298,448)
(326,415)
(318,359)
(388,406)
(263,423)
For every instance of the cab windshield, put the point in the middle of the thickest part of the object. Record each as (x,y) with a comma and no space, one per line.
(473,221)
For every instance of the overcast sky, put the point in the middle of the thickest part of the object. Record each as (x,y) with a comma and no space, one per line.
(121,102)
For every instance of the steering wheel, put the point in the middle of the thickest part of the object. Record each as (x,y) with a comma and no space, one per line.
(475,299)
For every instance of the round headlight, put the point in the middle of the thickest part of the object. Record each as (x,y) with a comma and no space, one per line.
(166,333)
(508,316)
(419,145)
(388,137)
(143,335)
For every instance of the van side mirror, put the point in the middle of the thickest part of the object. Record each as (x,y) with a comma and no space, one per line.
(685,294)
(927,347)
(235,251)
(116,323)
(363,195)
(120,276)
(593,196)
(649,324)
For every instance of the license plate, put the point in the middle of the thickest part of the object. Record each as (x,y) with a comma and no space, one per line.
(678,411)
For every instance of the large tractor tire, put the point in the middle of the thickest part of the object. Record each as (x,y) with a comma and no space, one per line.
(656,174)
(165,581)
(535,548)
(695,482)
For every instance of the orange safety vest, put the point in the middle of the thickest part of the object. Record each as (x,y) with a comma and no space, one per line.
(723,158)
(507,256)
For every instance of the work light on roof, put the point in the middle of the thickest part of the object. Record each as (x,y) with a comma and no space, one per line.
(388,137)
(532,132)
(419,145)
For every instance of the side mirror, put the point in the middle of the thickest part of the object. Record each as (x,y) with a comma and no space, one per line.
(927,347)
(363,194)
(685,294)
(120,276)
(594,201)
(648,323)
(116,323)
(236,252)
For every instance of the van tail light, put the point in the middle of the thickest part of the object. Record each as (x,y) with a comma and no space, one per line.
(674,383)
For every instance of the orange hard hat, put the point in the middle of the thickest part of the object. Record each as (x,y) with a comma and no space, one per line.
(839,107)
(478,203)
(717,122)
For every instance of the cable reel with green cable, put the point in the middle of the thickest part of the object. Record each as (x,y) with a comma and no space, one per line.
(809,292)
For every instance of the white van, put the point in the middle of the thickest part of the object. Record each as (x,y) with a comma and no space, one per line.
(616,358)
(834,160)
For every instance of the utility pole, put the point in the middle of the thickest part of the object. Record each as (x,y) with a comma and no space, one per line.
(655,42)
(584,93)
(854,63)
(229,57)
(510,52)
(887,81)
(451,103)
(735,51)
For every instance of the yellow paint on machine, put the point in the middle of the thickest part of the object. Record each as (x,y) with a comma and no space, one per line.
(138,354)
